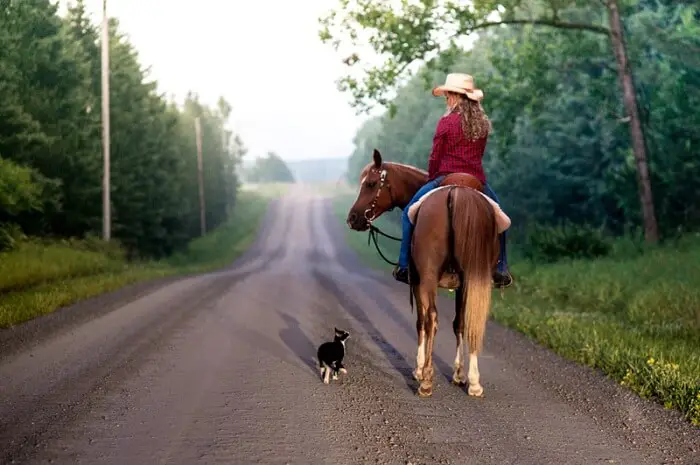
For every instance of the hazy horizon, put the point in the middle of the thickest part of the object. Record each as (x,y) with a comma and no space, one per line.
(282,91)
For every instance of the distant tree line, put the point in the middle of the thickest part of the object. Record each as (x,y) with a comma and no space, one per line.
(270,168)
(50,138)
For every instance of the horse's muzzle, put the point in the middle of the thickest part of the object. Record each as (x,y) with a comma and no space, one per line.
(357,221)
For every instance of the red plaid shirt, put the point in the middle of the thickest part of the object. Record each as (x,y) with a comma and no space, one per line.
(452,153)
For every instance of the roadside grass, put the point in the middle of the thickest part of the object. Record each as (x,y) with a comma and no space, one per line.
(41,276)
(635,316)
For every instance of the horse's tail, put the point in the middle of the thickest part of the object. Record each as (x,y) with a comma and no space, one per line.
(475,251)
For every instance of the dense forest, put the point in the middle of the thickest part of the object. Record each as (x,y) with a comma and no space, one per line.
(51,148)
(561,151)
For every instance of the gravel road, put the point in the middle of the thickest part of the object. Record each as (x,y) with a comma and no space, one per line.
(219,368)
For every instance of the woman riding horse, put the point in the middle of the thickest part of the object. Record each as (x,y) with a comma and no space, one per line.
(458,147)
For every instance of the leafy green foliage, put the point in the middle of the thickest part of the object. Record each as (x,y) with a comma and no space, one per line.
(560,149)
(402,33)
(50,138)
(10,235)
(550,244)
(21,189)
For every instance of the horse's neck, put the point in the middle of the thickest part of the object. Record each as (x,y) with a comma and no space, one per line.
(411,179)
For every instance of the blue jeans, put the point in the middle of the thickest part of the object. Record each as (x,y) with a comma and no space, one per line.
(407,227)
(502,265)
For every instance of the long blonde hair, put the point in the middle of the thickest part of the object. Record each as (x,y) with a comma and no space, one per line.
(475,123)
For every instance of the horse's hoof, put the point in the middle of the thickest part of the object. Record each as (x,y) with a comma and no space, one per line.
(475,391)
(343,371)
(425,391)
(458,378)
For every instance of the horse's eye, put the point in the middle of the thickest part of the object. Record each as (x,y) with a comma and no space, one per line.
(370,185)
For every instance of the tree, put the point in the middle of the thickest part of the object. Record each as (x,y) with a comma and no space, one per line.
(422,30)
(50,138)
(46,94)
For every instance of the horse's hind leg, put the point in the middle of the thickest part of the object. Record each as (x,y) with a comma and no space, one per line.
(475,389)
(459,377)
(428,294)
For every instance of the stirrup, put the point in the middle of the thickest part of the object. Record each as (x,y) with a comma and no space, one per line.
(401,275)
(505,280)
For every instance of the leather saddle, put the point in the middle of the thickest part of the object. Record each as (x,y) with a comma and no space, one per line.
(462,180)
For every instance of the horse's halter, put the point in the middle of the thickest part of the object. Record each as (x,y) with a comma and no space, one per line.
(382,183)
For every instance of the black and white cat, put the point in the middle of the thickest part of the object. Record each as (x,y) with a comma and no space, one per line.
(330,355)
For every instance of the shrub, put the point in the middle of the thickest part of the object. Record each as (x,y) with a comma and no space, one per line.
(10,235)
(567,241)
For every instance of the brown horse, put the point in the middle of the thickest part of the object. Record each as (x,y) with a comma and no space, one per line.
(454,245)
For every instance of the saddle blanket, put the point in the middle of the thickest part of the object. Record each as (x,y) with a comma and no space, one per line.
(502,220)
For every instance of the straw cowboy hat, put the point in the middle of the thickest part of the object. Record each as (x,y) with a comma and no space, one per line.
(461,84)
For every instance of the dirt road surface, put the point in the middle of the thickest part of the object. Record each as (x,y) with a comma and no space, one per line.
(219,368)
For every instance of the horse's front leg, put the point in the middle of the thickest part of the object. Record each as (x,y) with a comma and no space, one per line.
(420,329)
(459,377)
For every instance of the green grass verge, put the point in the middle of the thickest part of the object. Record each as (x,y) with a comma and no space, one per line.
(637,318)
(40,276)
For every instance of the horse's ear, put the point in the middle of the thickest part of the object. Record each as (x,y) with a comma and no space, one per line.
(377,159)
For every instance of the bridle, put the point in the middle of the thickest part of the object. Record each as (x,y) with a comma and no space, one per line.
(371,215)
(373,205)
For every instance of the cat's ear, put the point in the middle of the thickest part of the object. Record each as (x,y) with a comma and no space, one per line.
(337,331)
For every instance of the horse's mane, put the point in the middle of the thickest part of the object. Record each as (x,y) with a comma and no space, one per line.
(401,168)
(405,167)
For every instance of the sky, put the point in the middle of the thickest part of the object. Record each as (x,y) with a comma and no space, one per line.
(264,57)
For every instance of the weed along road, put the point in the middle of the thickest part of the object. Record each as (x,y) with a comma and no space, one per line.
(219,368)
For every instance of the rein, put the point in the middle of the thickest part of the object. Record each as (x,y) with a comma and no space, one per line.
(373,232)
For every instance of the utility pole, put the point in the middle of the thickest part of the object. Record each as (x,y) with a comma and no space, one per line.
(106,206)
(224,142)
(224,153)
(200,175)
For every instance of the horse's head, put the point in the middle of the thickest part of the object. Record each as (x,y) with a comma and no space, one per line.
(374,197)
